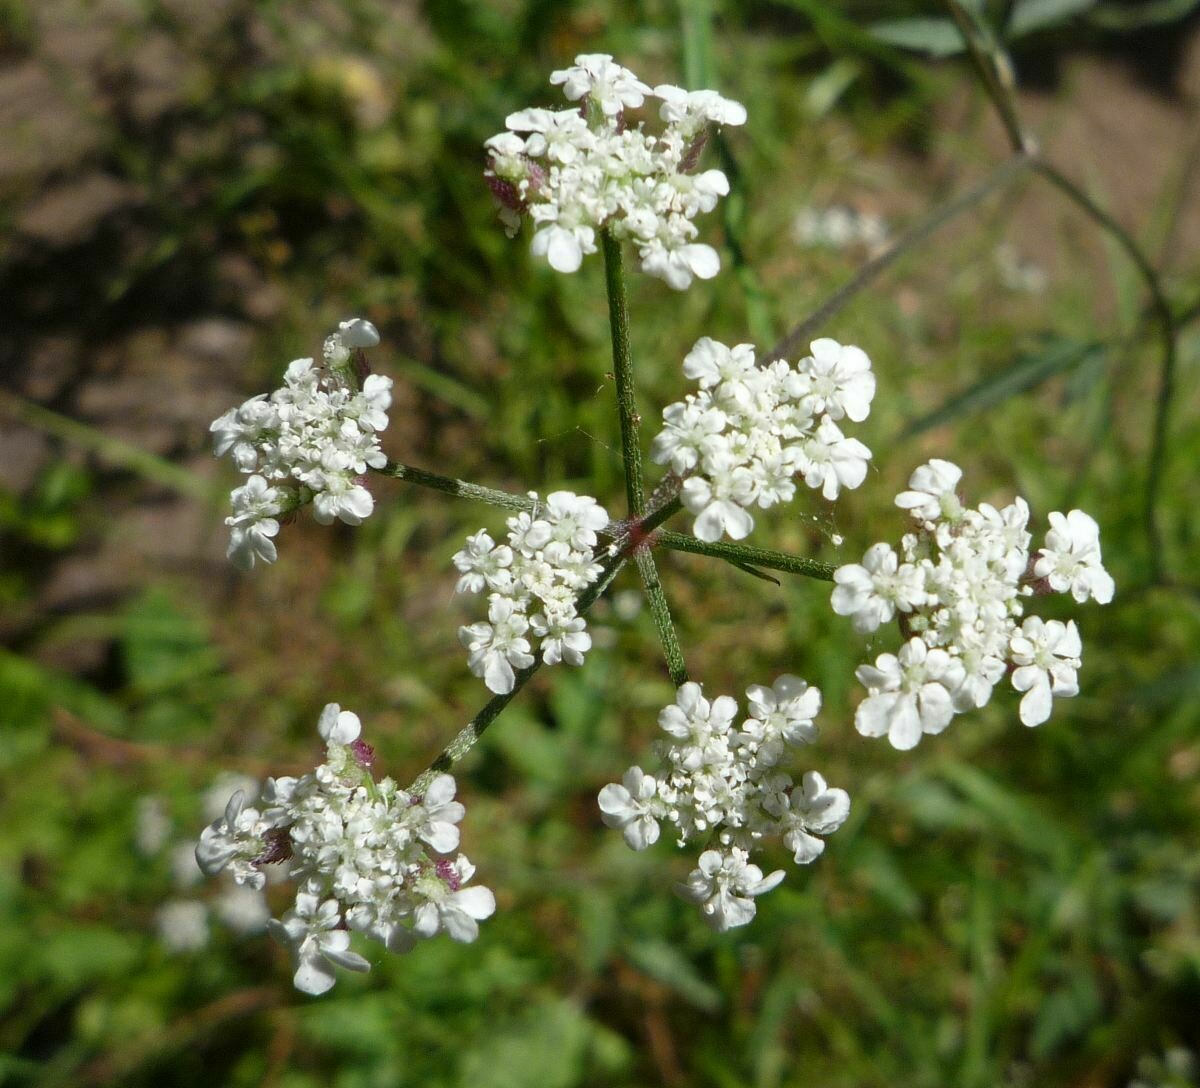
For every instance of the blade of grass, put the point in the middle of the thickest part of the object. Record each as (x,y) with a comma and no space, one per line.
(112,450)
(1027,372)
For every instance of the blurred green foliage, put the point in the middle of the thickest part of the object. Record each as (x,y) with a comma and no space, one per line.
(1006,907)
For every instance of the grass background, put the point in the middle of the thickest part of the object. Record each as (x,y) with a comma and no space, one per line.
(192,198)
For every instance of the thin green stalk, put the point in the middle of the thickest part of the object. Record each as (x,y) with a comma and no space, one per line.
(618,318)
(660,612)
(909,240)
(747,554)
(631,450)
(460,488)
(993,81)
(469,735)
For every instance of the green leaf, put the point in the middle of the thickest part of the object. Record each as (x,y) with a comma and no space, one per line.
(1065,1014)
(669,965)
(922,34)
(1030,370)
(827,88)
(568,1049)
(1013,817)
(165,647)
(1031,15)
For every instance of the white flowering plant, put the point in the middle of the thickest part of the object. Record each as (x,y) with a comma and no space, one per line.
(620,168)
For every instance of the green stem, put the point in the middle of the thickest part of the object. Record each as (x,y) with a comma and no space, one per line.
(993,80)
(461,488)
(631,450)
(469,735)
(660,611)
(909,240)
(745,553)
(618,318)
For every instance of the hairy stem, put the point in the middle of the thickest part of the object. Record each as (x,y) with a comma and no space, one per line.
(631,451)
(469,735)
(660,612)
(460,488)
(747,554)
(909,240)
(618,319)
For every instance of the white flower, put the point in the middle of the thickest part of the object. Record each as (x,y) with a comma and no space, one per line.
(562,638)
(317,945)
(439,814)
(575,172)
(483,564)
(338,726)
(719,499)
(814,809)
(612,87)
(1047,655)
(697,108)
(1070,559)
(361,850)
(788,707)
(498,647)
(547,563)
(725,885)
(563,247)
(575,519)
(628,807)
(450,907)
(358,332)
(253,523)
(310,440)
(829,460)
(871,592)
(342,498)
(931,494)
(908,695)
(838,381)
(235,841)
(691,433)
(528,534)
(710,363)
(962,583)
(750,429)
(677,266)
(693,717)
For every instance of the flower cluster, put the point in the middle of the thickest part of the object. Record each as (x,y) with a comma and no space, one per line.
(310,441)
(958,586)
(723,784)
(532,582)
(369,857)
(750,429)
(584,169)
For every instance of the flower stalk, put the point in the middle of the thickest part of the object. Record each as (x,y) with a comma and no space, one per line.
(631,452)
(746,554)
